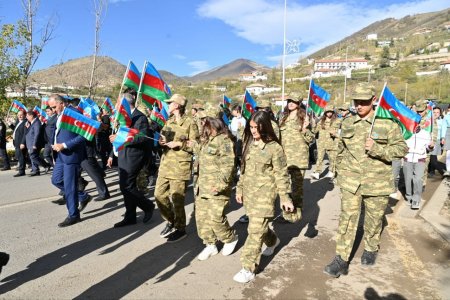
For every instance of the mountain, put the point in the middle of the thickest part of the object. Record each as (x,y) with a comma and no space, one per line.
(230,70)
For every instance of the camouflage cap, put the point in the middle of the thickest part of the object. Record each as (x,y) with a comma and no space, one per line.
(177,98)
(363,91)
(329,107)
(264,102)
(294,97)
(421,105)
(197,106)
(344,106)
(207,113)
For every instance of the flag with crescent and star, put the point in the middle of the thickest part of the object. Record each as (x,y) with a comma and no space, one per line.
(391,108)
(40,113)
(123,113)
(249,106)
(16,106)
(124,136)
(318,98)
(79,124)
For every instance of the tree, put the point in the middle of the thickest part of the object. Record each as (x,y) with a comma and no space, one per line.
(100,7)
(385,57)
(31,49)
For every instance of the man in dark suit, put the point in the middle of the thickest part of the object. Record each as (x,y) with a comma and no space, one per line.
(131,160)
(3,152)
(34,141)
(70,152)
(19,142)
(49,131)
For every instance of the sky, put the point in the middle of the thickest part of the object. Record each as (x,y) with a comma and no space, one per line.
(186,37)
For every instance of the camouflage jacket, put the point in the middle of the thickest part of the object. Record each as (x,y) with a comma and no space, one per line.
(265,176)
(326,139)
(176,163)
(370,171)
(295,143)
(216,167)
(276,128)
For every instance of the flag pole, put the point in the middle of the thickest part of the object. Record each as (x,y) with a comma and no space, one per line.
(284,57)
(140,83)
(345,74)
(124,76)
(376,110)
(9,110)
(309,95)
(406,93)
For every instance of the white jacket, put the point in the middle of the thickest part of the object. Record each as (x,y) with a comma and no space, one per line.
(418,145)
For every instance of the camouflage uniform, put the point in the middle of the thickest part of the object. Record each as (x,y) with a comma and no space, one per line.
(325,144)
(216,158)
(365,176)
(296,147)
(175,170)
(265,176)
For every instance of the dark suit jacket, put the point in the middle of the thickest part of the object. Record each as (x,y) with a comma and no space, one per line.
(34,135)
(75,152)
(50,129)
(134,156)
(2,135)
(19,136)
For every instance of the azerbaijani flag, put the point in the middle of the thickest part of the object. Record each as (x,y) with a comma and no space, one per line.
(318,98)
(44,103)
(390,107)
(225,119)
(124,136)
(93,104)
(123,113)
(153,85)
(108,106)
(150,102)
(226,102)
(79,124)
(86,109)
(428,124)
(41,113)
(160,116)
(132,76)
(249,105)
(17,106)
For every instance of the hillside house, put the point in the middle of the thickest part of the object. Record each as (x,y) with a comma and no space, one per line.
(254,76)
(16,92)
(259,89)
(340,64)
(423,30)
(447,26)
(372,37)
(445,65)
(384,43)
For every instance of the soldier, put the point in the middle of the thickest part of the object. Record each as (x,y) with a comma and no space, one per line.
(175,168)
(364,174)
(212,194)
(325,143)
(295,139)
(263,176)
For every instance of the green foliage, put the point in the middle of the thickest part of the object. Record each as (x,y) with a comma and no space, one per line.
(9,71)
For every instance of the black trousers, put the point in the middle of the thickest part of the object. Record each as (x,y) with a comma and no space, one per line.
(20,156)
(132,197)
(92,168)
(48,154)
(4,155)
(435,164)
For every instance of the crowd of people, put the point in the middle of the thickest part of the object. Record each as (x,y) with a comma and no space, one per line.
(263,158)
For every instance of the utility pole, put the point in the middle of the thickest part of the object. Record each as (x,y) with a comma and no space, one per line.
(284,56)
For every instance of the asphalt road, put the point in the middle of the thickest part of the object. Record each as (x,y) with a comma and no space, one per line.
(93,260)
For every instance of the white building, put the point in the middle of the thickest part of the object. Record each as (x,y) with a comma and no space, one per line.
(445,65)
(258,89)
(372,37)
(254,76)
(340,64)
(384,43)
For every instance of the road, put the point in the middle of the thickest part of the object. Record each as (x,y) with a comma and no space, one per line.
(93,260)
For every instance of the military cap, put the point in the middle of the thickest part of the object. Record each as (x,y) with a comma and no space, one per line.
(209,112)
(197,106)
(329,107)
(177,98)
(264,102)
(344,106)
(363,91)
(294,98)
(421,105)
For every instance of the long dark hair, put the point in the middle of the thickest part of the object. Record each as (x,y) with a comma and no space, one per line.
(265,129)
(216,124)
(301,116)
(324,117)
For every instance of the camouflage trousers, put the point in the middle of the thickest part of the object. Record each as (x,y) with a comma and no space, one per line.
(320,156)
(169,196)
(258,233)
(212,223)
(374,207)
(296,175)
(142,181)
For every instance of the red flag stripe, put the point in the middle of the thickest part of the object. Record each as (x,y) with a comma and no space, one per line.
(153,82)
(316,99)
(86,127)
(133,77)
(409,124)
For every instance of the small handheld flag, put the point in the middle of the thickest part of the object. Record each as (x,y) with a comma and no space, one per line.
(40,113)
(249,105)
(318,98)
(17,106)
(123,113)
(132,76)
(79,124)
(124,136)
(226,102)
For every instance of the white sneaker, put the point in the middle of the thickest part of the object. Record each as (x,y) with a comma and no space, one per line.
(330,175)
(269,250)
(228,248)
(393,195)
(244,276)
(315,175)
(209,251)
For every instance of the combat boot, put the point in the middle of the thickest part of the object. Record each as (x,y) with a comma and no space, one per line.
(337,267)
(368,258)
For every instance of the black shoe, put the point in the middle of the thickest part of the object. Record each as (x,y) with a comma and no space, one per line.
(167,230)
(34,174)
(84,203)
(337,267)
(368,258)
(60,201)
(48,169)
(176,236)
(101,198)
(82,183)
(148,215)
(69,221)
(19,174)
(124,222)
(6,168)
(4,258)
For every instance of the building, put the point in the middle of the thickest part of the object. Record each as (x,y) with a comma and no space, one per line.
(340,64)
(372,37)
(259,89)
(447,26)
(254,76)
(423,30)
(445,65)
(384,43)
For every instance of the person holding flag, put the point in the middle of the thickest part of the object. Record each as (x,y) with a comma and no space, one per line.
(3,152)
(367,146)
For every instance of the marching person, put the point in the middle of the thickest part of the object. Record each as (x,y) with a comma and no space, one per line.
(175,168)
(295,139)
(49,133)
(263,175)
(325,143)
(215,155)
(364,175)
(34,140)
(3,152)
(19,142)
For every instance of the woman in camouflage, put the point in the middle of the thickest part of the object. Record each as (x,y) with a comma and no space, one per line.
(325,143)
(295,139)
(263,176)
(213,190)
